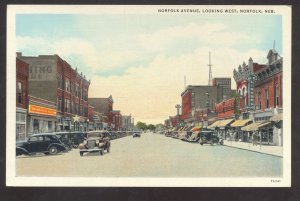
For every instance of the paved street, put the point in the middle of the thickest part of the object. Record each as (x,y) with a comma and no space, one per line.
(154,155)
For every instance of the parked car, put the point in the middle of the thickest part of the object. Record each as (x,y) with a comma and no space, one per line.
(184,135)
(65,138)
(96,141)
(209,137)
(77,137)
(195,137)
(136,134)
(47,143)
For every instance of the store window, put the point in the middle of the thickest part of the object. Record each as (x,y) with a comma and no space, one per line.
(50,125)
(19,93)
(36,126)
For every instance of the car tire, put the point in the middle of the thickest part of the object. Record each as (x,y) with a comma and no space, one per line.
(53,150)
(81,153)
(101,152)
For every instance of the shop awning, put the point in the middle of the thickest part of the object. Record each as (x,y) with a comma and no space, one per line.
(240,122)
(215,124)
(196,128)
(263,125)
(236,123)
(255,126)
(277,117)
(225,122)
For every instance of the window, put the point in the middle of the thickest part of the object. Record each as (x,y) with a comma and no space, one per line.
(36,125)
(59,81)
(67,85)
(259,100)
(277,95)
(50,124)
(67,105)
(19,93)
(76,91)
(267,98)
(59,104)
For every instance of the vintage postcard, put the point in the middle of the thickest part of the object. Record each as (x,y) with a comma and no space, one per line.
(104,95)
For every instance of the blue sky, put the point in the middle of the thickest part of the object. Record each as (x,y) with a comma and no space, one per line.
(149,54)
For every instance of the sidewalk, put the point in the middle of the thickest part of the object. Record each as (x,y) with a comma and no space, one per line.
(265,149)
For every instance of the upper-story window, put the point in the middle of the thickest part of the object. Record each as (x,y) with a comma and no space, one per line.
(267,98)
(59,81)
(59,104)
(67,88)
(76,90)
(19,93)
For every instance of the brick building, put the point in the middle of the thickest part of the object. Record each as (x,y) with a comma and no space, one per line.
(116,120)
(104,107)
(21,99)
(198,101)
(58,90)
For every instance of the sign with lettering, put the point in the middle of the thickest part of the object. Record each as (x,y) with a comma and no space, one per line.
(34,109)
(41,72)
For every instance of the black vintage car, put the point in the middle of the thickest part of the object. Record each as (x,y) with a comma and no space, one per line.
(136,134)
(77,137)
(209,137)
(71,139)
(46,143)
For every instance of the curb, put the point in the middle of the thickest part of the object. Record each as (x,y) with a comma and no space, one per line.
(253,150)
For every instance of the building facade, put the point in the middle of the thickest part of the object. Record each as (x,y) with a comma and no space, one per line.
(104,109)
(21,99)
(126,123)
(53,82)
(116,120)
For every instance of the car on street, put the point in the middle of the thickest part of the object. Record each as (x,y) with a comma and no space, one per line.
(209,137)
(136,134)
(195,137)
(96,141)
(65,138)
(47,143)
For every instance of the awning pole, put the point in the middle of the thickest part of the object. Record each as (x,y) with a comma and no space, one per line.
(260,139)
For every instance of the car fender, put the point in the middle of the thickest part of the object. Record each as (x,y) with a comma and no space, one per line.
(58,146)
(22,150)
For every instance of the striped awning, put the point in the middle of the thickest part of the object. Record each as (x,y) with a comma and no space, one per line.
(214,125)
(196,128)
(240,122)
(255,126)
(225,122)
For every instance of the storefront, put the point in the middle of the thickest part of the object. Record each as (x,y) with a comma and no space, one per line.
(260,132)
(224,128)
(21,124)
(41,119)
(236,126)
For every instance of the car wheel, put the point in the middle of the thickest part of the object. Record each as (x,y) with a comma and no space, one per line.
(52,150)
(81,153)
(101,152)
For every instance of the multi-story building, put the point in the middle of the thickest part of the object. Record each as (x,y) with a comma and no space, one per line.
(126,123)
(104,107)
(268,98)
(225,83)
(116,120)
(58,90)
(21,99)
(200,99)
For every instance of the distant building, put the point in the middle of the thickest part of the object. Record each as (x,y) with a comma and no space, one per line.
(225,83)
(104,106)
(116,120)
(126,123)
(196,98)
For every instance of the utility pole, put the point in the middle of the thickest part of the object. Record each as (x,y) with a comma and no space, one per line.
(210,73)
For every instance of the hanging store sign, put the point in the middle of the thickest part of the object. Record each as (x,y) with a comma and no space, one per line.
(34,109)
